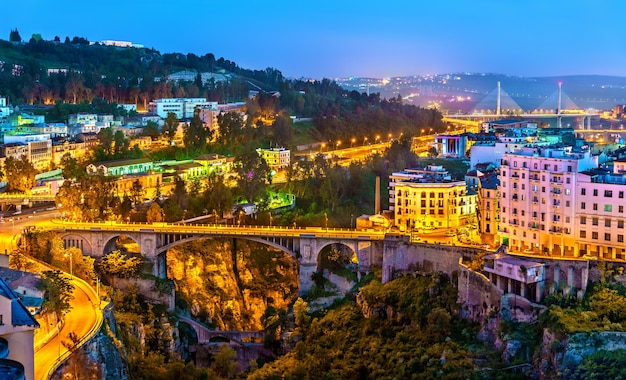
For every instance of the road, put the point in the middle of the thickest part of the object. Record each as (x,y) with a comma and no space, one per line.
(81,320)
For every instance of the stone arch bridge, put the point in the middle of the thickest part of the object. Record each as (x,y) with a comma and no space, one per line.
(305,244)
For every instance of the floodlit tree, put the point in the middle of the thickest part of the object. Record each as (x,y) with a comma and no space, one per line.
(137,192)
(70,167)
(301,314)
(195,134)
(106,138)
(154,213)
(79,363)
(58,292)
(118,264)
(19,174)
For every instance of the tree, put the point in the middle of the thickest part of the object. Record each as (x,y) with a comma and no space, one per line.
(195,134)
(172,210)
(170,127)
(251,171)
(106,138)
(70,167)
(14,36)
(217,195)
(151,129)
(301,314)
(225,362)
(121,143)
(154,213)
(19,174)
(79,364)
(120,265)
(58,292)
(137,193)
(433,152)
(283,131)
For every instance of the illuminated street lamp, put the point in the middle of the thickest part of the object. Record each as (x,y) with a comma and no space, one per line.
(240,217)
(338,144)
(352,142)
(364,140)
(389,136)
(71,265)
(322,147)
(377,138)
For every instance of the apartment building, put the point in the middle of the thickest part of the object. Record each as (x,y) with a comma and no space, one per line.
(488,209)
(539,199)
(429,203)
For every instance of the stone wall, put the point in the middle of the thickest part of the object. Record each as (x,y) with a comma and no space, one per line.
(478,296)
(146,288)
(401,255)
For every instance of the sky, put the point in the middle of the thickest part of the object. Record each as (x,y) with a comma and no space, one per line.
(344,38)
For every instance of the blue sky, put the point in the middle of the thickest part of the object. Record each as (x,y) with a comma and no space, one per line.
(340,38)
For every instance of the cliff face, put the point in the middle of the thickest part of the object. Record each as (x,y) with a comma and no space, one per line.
(230,283)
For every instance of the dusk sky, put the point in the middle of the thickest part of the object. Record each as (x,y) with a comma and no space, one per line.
(341,38)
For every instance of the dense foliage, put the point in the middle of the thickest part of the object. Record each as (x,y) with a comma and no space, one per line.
(404,329)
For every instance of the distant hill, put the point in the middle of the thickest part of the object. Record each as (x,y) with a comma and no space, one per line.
(40,72)
(451,91)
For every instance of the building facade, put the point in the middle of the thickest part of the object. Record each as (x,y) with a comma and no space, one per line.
(538,200)
(276,158)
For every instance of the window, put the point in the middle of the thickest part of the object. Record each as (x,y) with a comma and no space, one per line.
(543,189)
(608,208)
(595,192)
(583,205)
(594,221)
(620,238)
(504,172)
(583,234)
(566,203)
(595,207)
(556,168)
(607,222)
(569,169)
(423,194)
(567,219)
(514,164)
(620,209)
(583,220)
(607,236)
(583,191)
(423,203)
(594,235)
(567,192)
(620,224)
(567,180)
(620,194)
(608,193)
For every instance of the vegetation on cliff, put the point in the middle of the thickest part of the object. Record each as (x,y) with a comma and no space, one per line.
(402,329)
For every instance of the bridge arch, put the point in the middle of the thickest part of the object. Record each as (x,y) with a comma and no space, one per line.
(76,239)
(342,251)
(281,247)
(110,245)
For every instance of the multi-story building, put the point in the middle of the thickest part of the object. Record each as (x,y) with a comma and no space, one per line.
(121,167)
(276,158)
(429,203)
(82,118)
(183,108)
(213,163)
(436,172)
(538,199)
(451,145)
(17,328)
(488,208)
(38,148)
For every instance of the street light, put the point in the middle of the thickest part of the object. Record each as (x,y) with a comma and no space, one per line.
(326,220)
(389,136)
(271,219)
(352,142)
(351,219)
(322,147)
(71,265)
(240,216)
(364,140)
(338,143)
(377,138)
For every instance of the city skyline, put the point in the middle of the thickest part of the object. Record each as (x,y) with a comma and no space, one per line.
(343,39)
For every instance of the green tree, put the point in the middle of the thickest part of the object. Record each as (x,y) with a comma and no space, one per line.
(172,210)
(151,129)
(106,138)
(608,303)
(121,144)
(137,193)
(170,126)
(195,134)
(14,36)
(252,172)
(217,195)
(225,362)
(19,174)
(58,292)
(282,130)
(302,317)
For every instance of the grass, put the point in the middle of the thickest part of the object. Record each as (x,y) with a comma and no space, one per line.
(303,132)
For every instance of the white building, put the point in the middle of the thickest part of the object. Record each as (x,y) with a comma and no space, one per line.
(38,148)
(183,108)
(539,200)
